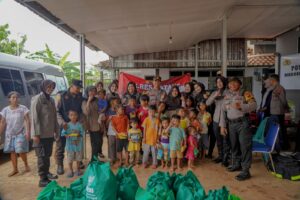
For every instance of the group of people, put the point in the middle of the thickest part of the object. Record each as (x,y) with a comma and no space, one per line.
(168,128)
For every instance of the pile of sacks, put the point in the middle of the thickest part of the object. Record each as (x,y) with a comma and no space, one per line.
(100,183)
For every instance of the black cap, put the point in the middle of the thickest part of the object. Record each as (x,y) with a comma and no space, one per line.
(235,79)
(77,83)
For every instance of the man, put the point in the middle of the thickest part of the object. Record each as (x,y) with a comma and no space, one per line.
(156,94)
(66,101)
(236,106)
(44,128)
(278,107)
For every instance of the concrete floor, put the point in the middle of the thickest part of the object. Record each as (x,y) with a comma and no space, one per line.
(262,185)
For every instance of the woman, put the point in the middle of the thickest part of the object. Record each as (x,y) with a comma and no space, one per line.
(173,100)
(188,89)
(131,92)
(199,93)
(90,110)
(17,133)
(217,98)
(113,91)
(99,86)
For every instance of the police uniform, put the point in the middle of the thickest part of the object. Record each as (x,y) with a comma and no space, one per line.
(65,102)
(238,128)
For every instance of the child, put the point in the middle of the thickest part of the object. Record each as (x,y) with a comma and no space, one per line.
(131,108)
(164,141)
(120,124)
(192,147)
(102,102)
(134,137)
(162,107)
(143,109)
(111,134)
(205,120)
(151,128)
(177,141)
(74,142)
(194,121)
(189,104)
(184,121)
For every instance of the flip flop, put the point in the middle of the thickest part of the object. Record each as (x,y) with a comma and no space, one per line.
(13,173)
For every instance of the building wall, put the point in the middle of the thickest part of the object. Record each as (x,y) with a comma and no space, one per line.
(287,44)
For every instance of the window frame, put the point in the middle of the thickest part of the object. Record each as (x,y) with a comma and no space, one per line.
(23,93)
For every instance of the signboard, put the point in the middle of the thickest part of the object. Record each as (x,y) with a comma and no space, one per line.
(290,72)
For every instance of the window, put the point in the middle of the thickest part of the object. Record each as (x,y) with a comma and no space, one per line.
(192,73)
(232,73)
(11,80)
(149,78)
(175,73)
(204,73)
(33,82)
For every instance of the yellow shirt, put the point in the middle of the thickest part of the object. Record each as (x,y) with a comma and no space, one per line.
(184,123)
(151,127)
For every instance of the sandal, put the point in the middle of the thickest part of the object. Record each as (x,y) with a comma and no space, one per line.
(13,173)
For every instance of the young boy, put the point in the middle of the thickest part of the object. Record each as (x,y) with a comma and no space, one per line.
(131,108)
(205,119)
(74,142)
(151,128)
(184,121)
(134,137)
(102,102)
(177,141)
(143,109)
(120,124)
(111,134)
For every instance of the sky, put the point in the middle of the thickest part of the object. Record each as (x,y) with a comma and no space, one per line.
(24,22)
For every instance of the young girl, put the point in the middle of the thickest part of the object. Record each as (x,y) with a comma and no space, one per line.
(15,118)
(74,142)
(189,103)
(135,138)
(184,121)
(205,119)
(131,108)
(164,136)
(111,134)
(142,112)
(192,146)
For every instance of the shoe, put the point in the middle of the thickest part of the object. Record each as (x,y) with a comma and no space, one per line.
(232,168)
(218,160)
(44,182)
(52,176)
(225,163)
(81,165)
(243,176)
(60,169)
(70,174)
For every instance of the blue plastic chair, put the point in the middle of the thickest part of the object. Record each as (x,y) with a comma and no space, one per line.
(270,141)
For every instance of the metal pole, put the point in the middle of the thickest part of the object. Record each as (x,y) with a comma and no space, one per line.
(82,76)
(196,62)
(224,46)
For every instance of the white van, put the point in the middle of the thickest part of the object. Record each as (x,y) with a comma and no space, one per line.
(25,76)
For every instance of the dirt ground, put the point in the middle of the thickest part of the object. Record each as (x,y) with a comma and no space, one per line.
(262,185)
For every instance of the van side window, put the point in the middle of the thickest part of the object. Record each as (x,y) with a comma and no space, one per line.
(11,80)
(33,82)
(60,83)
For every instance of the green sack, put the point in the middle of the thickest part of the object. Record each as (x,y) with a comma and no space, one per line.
(188,187)
(100,182)
(220,194)
(160,178)
(55,192)
(233,197)
(127,184)
(78,189)
(156,193)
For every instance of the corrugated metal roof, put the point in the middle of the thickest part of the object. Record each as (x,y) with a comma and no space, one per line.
(261,60)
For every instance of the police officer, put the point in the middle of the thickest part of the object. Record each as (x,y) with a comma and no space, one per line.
(236,106)
(66,101)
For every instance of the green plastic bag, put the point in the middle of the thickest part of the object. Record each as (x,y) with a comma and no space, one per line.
(188,187)
(100,182)
(78,189)
(127,184)
(160,178)
(220,194)
(233,197)
(156,193)
(53,191)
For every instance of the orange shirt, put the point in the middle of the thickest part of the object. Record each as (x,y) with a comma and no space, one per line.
(195,123)
(120,123)
(151,128)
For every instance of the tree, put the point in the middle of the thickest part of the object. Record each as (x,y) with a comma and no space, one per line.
(11,46)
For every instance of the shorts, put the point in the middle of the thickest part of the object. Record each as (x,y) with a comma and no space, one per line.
(17,144)
(74,156)
(122,144)
(176,154)
(134,146)
(204,141)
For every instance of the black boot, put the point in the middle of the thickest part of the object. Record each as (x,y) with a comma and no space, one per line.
(52,176)
(244,175)
(218,159)
(44,182)
(233,168)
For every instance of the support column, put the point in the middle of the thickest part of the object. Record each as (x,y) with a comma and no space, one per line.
(157,72)
(196,62)
(82,59)
(114,75)
(224,46)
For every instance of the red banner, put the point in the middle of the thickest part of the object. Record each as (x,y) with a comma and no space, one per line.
(144,85)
